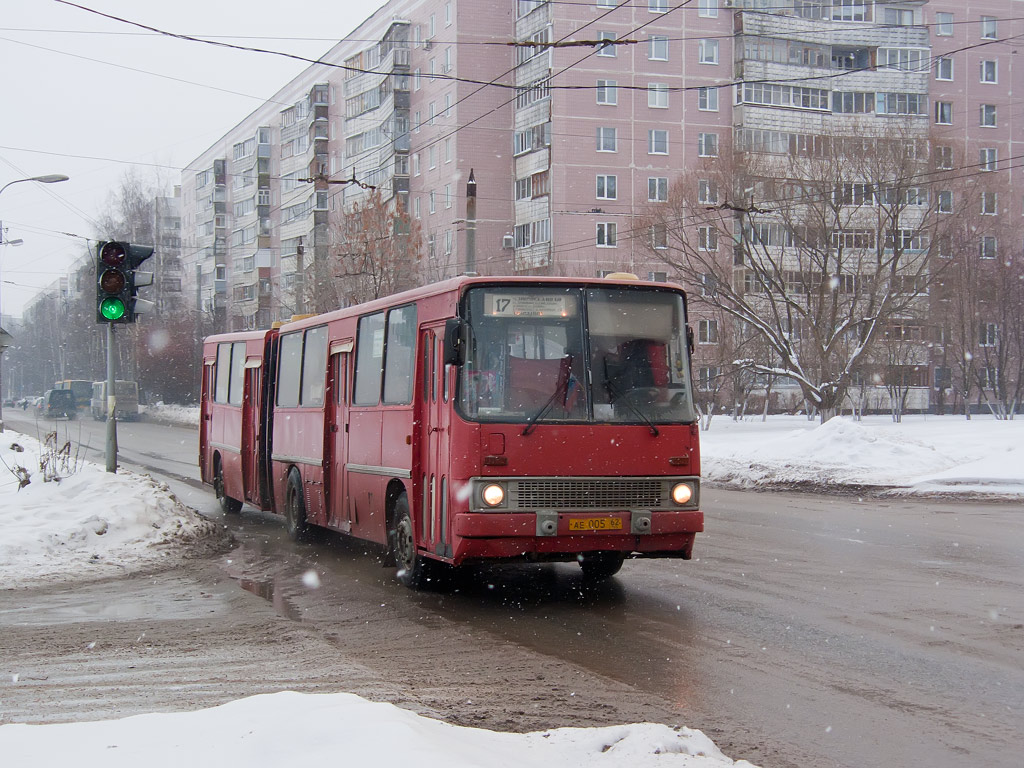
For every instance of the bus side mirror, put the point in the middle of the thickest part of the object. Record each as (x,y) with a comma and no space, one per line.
(689,339)
(453,348)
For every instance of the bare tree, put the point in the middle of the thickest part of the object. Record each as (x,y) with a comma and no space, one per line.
(815,245)
(978,300)
(375,248)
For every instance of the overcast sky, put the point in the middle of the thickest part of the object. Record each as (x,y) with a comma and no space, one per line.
(89,97)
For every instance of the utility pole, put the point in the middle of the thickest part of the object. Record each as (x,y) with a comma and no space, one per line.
(471,223)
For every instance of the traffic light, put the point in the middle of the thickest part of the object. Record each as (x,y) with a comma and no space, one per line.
(112,288)
(138,279)
(118,280)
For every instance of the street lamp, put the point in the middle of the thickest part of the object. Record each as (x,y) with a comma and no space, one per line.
(49,178)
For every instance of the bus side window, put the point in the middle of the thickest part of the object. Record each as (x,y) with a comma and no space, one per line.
(289,370)
(314,366)
(222,375)
(400,355)
(369,360)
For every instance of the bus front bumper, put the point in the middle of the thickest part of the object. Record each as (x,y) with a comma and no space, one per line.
(546,533)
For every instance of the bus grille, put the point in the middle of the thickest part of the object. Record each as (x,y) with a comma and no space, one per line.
(589,493)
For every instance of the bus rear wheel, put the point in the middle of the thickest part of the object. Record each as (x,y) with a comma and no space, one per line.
(414,570)
(295,509)
(229,505)
(601,565)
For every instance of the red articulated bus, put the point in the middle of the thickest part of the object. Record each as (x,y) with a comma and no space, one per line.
(476,419)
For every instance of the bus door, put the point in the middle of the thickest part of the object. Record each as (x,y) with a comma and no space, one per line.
(336,443)
(250,430)
(206,421)
(434,437)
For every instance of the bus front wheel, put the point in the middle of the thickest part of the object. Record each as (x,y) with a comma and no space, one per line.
(601,565)
(228,504)
(414,570)
(295,509)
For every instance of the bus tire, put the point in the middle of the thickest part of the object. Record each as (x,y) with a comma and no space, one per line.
(598,566)
(295,509)
(227,504)
(414,570)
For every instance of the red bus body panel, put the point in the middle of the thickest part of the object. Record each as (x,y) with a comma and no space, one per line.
(231,434)
(354,461)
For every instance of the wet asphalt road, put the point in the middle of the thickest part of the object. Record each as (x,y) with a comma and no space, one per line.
(808,630)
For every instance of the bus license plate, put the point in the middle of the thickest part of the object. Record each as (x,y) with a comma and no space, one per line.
(596,524)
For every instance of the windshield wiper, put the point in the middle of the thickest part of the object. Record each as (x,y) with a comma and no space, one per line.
(618,397)
(561,388)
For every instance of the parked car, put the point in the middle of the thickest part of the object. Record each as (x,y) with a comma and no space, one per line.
(59,402)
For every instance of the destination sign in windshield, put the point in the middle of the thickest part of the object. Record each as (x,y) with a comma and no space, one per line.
(529,305)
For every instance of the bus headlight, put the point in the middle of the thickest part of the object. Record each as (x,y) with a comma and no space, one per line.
(493,495)
(681,493)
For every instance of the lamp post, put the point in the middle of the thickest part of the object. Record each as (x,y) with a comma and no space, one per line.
(5,339)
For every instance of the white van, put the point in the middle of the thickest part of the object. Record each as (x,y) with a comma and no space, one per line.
(127,394)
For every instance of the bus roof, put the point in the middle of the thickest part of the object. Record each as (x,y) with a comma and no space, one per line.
(457,284)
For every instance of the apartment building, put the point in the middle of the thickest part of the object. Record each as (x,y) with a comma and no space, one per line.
(575,119)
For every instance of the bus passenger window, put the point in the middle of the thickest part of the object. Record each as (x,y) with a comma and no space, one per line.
(223,373)
(314,366)
(369,360)
(237,386)
(400,354)
(289,370)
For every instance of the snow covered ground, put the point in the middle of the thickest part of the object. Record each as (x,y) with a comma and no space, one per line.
(922,455)
(92,523)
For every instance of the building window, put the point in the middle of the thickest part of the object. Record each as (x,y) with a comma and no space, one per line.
(707,99)
(432,199)
(524,188)
(606,234)
(707,51)
(944,112)
(988,334)
(657,48)
(988,377)
(988,115)
(707,9)
(987,158)
(608,49)
(988,27)
(707,192)
(657,95)
(849,10)
(707,377)
(988,247)
(659,236)
(707,331)
(606,139)
(606,187)
(707,144)
(523,233)
(657,142)
(944,158)
(447,195)
(943,24)
(988,71)
(657,189)
(657,6)
(607,93)
(707,238)
(944,68)
(989,206)
(944,203)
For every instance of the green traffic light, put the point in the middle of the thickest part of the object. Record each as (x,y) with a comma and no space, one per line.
(112,308)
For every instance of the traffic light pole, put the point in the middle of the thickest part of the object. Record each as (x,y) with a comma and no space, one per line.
(111,403)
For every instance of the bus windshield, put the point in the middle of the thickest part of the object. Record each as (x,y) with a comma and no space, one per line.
(575,354)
